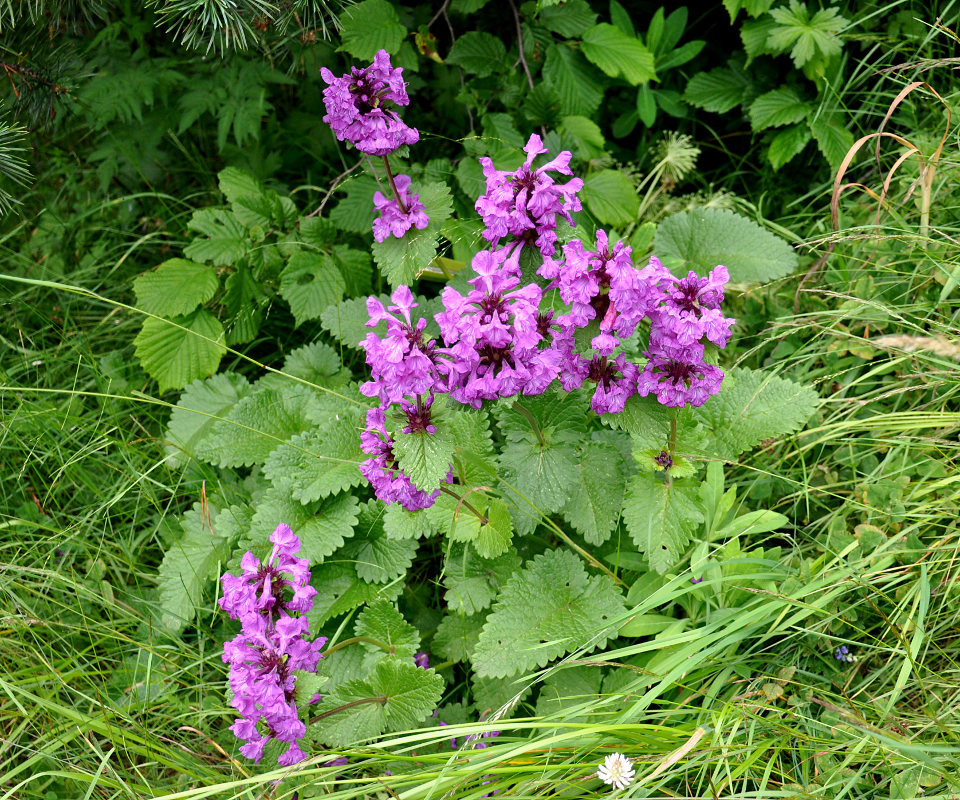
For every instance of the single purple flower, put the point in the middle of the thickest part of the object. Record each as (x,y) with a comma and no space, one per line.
(357,110)
(393,220)
(422,660)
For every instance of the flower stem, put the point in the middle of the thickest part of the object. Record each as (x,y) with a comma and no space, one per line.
(381,699)
(465,504)
(388,647)
(533,423)
(393,185)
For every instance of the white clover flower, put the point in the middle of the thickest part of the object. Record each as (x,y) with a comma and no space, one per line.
(616,771)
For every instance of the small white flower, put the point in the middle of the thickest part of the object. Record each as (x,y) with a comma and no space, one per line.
(616,771)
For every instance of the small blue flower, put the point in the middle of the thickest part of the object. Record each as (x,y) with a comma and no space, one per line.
(842,653)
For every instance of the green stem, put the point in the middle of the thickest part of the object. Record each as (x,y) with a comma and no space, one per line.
(388,647)
(465,504)
(591,559)
(533,423)
(393,185)
(381,699)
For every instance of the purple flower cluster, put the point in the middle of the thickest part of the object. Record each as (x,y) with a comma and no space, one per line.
(497,342)
(356,110)
(403,212)
(270,648)
(525,203)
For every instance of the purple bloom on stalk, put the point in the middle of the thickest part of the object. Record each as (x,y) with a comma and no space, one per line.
(356,110)
(270,648)
(677,374)
(388,481)
(493,336)
(393,220)
(404,362)
(525,203)
(690,310)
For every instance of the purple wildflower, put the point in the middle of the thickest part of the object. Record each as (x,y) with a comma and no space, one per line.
(356,111)
(422,660)
(270,648)
(677,374)
(493,336)
(393,220)
(696,580)
(843,653)
(404,362)
(526,202)
(386,478)
(690,311)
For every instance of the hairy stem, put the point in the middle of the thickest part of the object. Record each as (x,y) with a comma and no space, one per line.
(382,645)
(393,185)
(523,412)
(465,504)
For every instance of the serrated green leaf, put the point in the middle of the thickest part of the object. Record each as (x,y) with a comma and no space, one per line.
(754,8)
(310,283)
(544,475)
(472,582)
(752,406)
(589,138)
(236,183)
(776,108)
(382,621)
(316,362)
(377,557)
(322,461)
(456,636)
(705,237)
(396,697)
(198,408)
(347,320)
(322,527)
(257,425)
(573,79)
(549,608)
(618,54)
(754,34)
(370,26)
(175,287)
(339,590)
(398,523)
(178,351)
(479,53)
(680,55)
(661,518)
(720,90)
(355,212)
(401,260)
(646,105)
(424,457)
(243,297)
(620,17)
(495,534)
(644,418)
(806,36)
(833,138)
(594,504)
(570,19)
(787,144)
(611,197)
(187,566)
(356,267)
(226,241)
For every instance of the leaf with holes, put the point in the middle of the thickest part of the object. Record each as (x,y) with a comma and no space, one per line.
(310,283)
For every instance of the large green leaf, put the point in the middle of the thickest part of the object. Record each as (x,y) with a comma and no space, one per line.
(370,26)
(705,237)
(806,36)
(178,351)
(611,197)
(661,517)
(310,283)
(618,54)
(573,79)
(322,527)
(549,608)
(197,411)
(787,144)
(594,504)
(473,582)
(720,90)
(479,53)
(777,108)
(226,241)
(177,286)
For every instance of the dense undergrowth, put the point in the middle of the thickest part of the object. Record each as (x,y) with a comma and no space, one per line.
(734,686)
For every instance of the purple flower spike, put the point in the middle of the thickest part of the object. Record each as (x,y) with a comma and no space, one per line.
(526,202)
(677,374)
(265,656)
(393,220)
(356,110)
(691,308)
(404,362)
